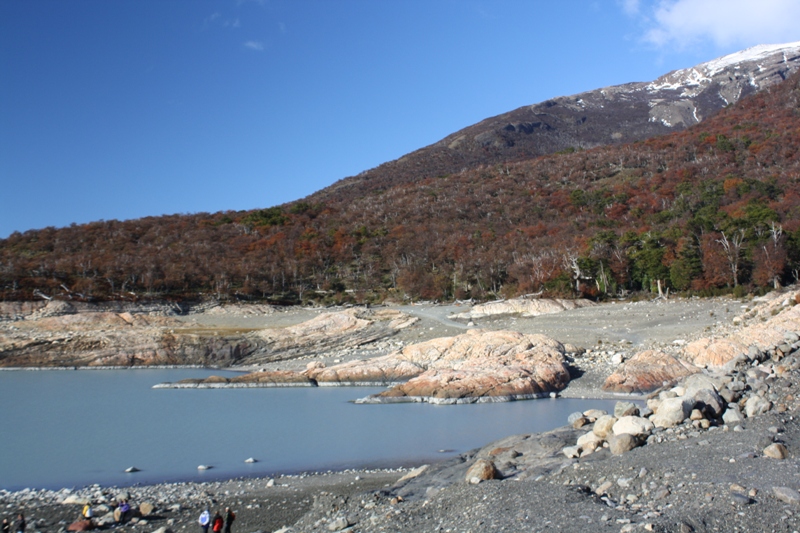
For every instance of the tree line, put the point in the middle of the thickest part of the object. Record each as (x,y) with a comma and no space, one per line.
(713,207)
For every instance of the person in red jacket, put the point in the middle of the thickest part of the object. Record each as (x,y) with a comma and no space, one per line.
(217,523)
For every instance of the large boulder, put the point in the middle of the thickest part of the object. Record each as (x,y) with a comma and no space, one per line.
(709,402)
(756,405)
(622,443)
(701,381)
(714,353)
(732,415)
(633,425)
(478,365)
(481,470)
(589,442)
(672,411)
(647,371)
(625,409)
(604,425)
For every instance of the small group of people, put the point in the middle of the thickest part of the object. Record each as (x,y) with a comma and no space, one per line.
(123,512)
(217,522)
(19,525)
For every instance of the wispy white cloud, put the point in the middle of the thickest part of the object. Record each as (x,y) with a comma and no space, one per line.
(216,19)
(630,7)
(282,28)
(211,19)
(725,23)
(258,46)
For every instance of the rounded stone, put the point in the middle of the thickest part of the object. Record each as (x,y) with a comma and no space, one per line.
(776,451)
(481,470)
(603,426)
(619,444)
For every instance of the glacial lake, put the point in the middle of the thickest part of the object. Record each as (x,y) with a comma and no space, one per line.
(72,428)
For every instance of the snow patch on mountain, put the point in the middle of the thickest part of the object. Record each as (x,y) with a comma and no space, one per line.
(755,53)
(767,58)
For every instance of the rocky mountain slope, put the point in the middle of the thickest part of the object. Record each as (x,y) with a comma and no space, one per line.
(609,115)
(448,223)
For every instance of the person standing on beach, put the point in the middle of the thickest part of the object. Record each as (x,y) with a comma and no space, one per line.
(217,523)
(6,526)
(20,527)
(229,518)
(205,520)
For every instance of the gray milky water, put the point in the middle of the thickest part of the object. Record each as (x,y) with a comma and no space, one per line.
(66,428)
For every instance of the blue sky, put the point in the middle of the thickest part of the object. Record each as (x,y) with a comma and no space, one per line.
(122,109)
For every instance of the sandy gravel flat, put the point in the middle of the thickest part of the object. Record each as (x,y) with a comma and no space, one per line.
(623,326)
(642,323)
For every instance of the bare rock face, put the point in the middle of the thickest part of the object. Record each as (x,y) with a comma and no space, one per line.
(326,332)
(647,371)
(110,339)
(476,366)
(523,307)
(56,335)
(775,318)
(772,331)
(713,353)
(18,310)
(479,366)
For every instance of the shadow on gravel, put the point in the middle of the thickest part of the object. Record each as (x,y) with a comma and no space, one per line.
(574,372)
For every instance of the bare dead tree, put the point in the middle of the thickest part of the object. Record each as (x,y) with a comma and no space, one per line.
(733,252)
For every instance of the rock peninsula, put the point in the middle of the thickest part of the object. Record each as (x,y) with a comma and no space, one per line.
(716,449)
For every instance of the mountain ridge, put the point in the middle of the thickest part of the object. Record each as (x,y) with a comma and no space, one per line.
(669,211)
(621,114)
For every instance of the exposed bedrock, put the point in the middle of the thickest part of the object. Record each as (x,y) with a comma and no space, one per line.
(647,371)
(125,339)
(524,307)
(326,332)
(772,332)
(475,366)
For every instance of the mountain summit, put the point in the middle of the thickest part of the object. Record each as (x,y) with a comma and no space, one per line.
(611,115)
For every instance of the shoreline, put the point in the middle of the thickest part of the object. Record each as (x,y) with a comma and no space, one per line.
(54,495)
(117,367)
(689,477)
(387,465)
(261,503)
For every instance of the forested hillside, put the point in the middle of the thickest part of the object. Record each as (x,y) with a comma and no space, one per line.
(716,205)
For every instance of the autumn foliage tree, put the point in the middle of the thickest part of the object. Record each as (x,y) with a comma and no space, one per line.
(714,206)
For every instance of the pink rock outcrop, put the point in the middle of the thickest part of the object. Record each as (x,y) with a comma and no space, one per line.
(326,332)
(476,366)
(106,338)
(713,353)
(647,371)
(473,366)
(524,307)
(773,330)
(776,317)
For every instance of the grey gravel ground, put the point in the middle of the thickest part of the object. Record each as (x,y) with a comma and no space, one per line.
(685,480)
